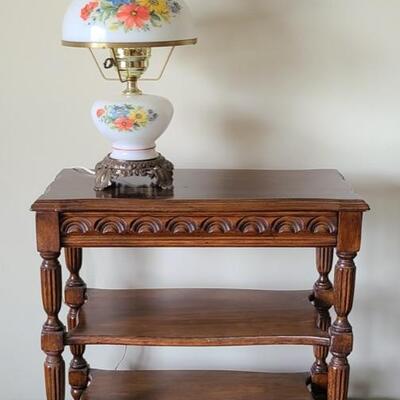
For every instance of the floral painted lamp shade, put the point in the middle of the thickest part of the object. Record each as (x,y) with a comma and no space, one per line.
(128,23)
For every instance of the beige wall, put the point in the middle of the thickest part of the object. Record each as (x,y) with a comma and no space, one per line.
(272,84)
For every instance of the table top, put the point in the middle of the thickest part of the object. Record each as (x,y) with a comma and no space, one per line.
(255,190)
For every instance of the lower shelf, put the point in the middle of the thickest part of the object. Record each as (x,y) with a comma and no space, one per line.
(195,385)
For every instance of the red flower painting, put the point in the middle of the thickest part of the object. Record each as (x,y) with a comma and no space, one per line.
(100,112)
(123,124)
(133,16)
(87,10)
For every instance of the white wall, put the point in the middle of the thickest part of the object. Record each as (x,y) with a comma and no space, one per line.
(272,84)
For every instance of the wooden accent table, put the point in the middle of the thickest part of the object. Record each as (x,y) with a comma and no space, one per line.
(208,208)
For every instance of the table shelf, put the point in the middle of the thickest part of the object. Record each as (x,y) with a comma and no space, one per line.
(195,385)
(197,317)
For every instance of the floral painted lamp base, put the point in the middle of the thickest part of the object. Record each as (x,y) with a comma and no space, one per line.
(159,170)
(133,124)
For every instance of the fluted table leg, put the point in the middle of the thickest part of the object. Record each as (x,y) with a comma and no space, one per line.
(323,290)
(53,330)
(341,330)
(349,239)
(75,292)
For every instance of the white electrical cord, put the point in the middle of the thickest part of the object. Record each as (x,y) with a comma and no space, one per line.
(83,170)
(122,359)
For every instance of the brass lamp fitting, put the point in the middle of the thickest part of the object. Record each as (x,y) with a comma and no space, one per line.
(131,64)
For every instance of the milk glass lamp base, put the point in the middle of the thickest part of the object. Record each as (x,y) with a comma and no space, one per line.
(133,124)
(159,170)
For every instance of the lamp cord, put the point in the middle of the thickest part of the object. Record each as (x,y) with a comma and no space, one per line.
(122,359)
(84,170)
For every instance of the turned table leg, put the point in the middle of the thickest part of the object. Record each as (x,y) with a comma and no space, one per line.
(349,239)
(341,330)
(75,294)
(323,291)
(53,330)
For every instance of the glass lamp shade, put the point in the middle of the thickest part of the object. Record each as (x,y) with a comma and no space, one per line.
(128,24)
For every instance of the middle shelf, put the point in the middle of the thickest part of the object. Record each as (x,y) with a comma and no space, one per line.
(197,317)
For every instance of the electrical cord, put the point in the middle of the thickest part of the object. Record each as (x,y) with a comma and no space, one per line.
(84,170)
(122,359)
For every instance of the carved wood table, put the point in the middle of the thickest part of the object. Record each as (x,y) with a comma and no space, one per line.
(207,208)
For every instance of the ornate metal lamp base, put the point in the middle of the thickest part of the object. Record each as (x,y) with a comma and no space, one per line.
(160,170)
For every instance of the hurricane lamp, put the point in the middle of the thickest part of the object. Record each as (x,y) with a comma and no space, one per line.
(132,121)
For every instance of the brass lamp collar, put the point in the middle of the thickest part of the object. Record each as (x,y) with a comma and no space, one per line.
(132,88)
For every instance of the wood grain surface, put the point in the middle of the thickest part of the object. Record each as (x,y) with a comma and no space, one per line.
(197,317)
(196,385)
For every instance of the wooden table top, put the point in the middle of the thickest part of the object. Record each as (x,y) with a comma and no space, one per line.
(253,189)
